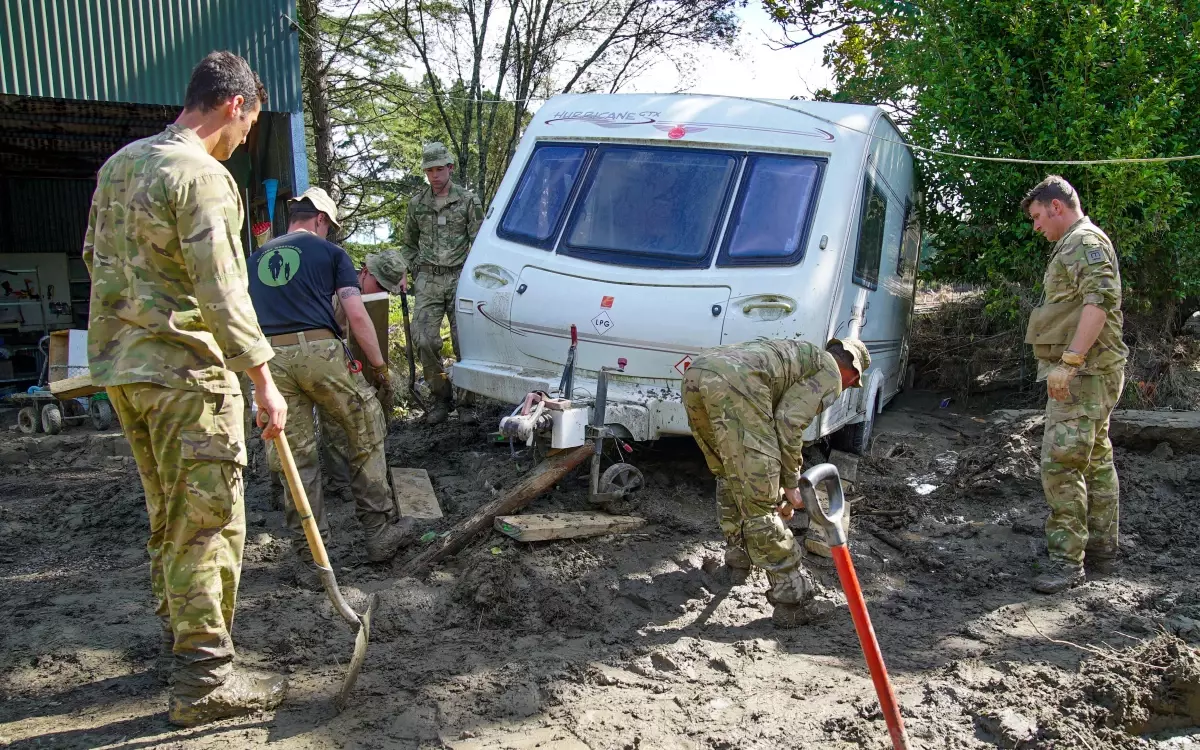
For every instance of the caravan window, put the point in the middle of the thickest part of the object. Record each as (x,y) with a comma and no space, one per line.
(536,210)
(656,207)
(771,218)
(910,246)
(870,235)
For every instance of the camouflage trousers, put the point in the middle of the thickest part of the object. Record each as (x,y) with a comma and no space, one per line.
(314,373)
(433,292)
(739,444)
(1078,475)
(190,448)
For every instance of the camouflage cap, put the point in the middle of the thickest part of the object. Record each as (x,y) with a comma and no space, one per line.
(435,155)
(858,355)
(321,201)
(388,269)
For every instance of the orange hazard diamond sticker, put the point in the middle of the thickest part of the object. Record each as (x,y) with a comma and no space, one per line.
(683,364)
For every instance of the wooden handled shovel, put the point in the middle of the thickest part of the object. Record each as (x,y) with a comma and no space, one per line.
(361,622)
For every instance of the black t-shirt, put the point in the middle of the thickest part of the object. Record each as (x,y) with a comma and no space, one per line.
(292,282)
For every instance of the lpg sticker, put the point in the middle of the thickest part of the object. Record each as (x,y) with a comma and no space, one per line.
(602,323)
(683,364)
(606,302)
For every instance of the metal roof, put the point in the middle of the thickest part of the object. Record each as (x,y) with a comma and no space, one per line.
(143,51)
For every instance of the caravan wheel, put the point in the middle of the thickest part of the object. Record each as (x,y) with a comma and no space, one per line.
(856,438)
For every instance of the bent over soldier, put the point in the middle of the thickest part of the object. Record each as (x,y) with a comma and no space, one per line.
(170,324)
(748,406)
(1076,337)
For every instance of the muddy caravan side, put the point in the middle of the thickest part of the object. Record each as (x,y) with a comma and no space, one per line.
(659,226)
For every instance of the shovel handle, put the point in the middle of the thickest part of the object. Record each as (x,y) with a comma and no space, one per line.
(870,646)
(300,498)
(831,521)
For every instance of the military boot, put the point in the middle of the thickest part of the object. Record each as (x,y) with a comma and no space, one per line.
(1060,576)
(384,542)
(164,663)
(304,573)
(467,415)
(240,694)
(1101,563)
(791,594)
(737,565)
(437,413)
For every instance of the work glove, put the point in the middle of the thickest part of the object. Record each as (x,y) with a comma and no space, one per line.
(383,387)
(1058,384)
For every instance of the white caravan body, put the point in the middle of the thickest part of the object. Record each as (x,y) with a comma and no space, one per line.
(664,225)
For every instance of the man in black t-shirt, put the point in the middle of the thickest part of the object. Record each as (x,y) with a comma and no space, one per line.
(293,279)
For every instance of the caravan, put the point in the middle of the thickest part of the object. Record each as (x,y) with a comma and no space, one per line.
(662,225)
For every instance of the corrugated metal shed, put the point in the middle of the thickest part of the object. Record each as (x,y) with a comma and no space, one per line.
(142,51)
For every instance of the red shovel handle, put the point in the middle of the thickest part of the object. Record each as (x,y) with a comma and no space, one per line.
(836,535)
(870,646)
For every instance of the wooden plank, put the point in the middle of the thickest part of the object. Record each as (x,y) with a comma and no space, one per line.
(377,308)
(541,478)
(413,494)
(76,387)
(540,527)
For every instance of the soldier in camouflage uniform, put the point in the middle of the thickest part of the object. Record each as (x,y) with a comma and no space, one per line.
(748,406)
(171,324)
(1076,337)
(293,279)
(441,224)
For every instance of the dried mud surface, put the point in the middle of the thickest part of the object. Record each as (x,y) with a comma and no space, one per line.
(625,641)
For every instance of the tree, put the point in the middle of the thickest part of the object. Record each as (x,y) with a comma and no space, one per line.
(1048,80)
(532,49)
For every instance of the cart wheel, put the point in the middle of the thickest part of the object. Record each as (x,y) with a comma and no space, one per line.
(28,420)
(102,414)
(52,419)
(625,477)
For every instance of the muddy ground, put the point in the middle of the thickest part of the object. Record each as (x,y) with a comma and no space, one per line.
(626,642)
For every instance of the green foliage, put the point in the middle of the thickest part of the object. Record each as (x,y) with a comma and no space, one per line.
(1053,79)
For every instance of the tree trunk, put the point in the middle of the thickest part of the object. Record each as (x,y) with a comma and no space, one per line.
(316,95)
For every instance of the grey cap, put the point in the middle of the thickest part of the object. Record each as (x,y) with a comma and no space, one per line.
(435,155)
(388,269)
(321,201)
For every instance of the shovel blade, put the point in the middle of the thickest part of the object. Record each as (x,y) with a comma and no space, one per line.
(360,654)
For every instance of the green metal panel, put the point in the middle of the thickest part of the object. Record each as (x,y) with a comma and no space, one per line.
(142,51)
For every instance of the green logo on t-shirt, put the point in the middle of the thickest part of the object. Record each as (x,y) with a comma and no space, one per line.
(277,267)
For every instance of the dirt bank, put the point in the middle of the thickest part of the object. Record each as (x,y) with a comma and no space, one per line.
(626,642)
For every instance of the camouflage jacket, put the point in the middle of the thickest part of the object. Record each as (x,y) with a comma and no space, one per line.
(440,237)
(1084,269)
(169,300)
(790,381)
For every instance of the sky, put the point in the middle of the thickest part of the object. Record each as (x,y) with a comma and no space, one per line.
(752,69)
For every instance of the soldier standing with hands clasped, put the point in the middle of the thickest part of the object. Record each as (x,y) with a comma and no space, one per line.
(441,224)
(1076,337)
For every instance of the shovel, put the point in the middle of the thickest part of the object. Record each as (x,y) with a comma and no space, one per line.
(408,349)
(362,623)
(836,536)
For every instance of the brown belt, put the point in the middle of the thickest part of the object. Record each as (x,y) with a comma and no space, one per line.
(438,269)
(291,339)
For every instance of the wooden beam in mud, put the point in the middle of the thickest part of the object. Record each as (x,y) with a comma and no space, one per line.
(539,479)
(541,527)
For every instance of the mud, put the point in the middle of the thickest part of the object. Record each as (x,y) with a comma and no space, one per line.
(627,641)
